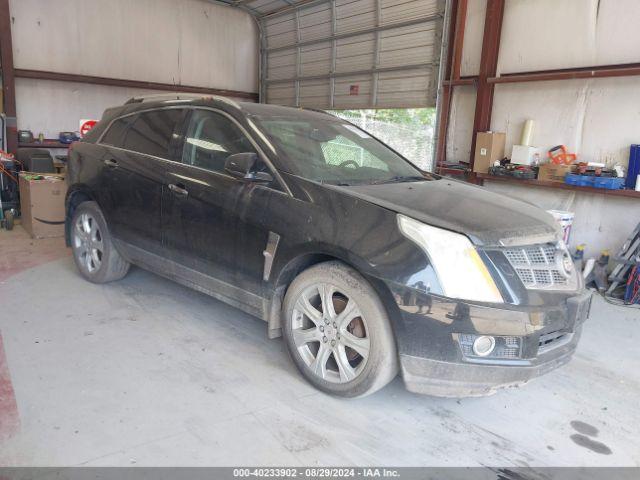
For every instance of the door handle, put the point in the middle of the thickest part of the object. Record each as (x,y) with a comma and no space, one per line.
(178,189)
(111,163)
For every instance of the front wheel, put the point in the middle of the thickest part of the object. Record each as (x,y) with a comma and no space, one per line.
(337,331)
(93,251)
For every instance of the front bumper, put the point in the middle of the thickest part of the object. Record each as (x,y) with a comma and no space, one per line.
(433,363)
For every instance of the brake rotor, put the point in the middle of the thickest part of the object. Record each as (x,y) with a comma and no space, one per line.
(355,327)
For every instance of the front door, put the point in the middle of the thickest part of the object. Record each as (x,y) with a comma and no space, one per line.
(208,214)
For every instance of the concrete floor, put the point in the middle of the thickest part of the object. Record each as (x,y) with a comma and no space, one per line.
(146,372)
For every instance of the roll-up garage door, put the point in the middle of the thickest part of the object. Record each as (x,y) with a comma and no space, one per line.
(352,54)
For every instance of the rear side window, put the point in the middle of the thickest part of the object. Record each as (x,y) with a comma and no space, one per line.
(152,132)
(115,134)
(210,139)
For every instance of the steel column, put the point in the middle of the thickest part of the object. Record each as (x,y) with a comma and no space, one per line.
(8,78)
(334,54)
(376,56)
(454,41)
(262,87)
(488,69)
(298,59)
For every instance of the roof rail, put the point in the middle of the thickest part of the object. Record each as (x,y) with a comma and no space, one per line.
(167,97)
(158,97)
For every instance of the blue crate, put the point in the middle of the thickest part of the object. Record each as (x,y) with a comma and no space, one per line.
(610,183)
(579,180)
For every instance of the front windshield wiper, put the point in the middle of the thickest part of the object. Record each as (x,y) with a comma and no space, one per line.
(338,183)
(399,179)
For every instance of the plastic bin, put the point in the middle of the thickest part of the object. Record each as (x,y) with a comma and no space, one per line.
(579,180)
(610,183)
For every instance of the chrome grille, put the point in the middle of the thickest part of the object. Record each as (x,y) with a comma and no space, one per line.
(538,266)
(511,348)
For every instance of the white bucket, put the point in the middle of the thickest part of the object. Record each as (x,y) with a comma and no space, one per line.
(565,220)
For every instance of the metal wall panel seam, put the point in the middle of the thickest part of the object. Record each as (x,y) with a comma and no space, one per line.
(332,91)
(376,56)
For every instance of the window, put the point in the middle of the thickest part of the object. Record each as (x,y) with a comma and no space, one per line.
(342,151)
(152,132)
(210,139)
(323,148)
(115,134)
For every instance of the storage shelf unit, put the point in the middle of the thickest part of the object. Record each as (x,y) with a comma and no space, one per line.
(489,76)
(48,143)
(558,185)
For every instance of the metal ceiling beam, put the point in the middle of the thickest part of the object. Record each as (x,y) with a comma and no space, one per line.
(598,71)
(119,82)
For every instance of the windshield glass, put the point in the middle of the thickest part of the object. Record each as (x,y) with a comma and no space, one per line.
(323,148)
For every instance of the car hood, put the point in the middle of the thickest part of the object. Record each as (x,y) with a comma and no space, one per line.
(487,218)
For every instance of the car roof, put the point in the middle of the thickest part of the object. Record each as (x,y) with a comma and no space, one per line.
(259,109)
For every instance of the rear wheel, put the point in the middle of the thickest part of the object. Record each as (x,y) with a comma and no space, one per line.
(337,331)
(8,220)
(93,251)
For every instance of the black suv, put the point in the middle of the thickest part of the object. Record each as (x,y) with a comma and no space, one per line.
(363,262)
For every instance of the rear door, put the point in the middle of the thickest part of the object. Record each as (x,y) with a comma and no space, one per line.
(134,175)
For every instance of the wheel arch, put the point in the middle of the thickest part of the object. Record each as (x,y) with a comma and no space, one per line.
(76,195)
(302,262)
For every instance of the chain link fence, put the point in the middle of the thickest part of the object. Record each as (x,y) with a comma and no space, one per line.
(412,138)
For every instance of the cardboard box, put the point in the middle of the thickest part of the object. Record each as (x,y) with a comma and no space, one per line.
(489,148)
(42,204)
(524,154)
(553,173)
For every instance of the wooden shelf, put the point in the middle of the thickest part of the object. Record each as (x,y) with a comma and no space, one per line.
(461,81)
(598,71)
(48,143)
(452,171)
(559,185)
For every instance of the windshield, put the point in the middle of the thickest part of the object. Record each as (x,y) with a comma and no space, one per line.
(326,149)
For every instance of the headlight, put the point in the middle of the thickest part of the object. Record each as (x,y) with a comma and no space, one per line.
(461,271)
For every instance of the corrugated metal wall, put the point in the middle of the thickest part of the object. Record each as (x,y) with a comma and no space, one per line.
(350,54)
(191,42)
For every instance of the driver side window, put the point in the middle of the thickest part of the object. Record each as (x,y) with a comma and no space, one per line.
(342,151)
(210,139)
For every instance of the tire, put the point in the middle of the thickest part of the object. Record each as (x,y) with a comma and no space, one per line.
(8,220)
(349,352)
(93,250)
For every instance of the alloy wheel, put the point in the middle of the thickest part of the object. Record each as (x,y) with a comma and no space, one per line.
(330,333)
(88,243)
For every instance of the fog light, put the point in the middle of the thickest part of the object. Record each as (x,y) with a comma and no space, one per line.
(483,346)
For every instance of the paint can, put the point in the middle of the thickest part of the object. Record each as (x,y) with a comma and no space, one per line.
(565,220)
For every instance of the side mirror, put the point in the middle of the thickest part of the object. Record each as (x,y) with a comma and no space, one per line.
(243,165)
